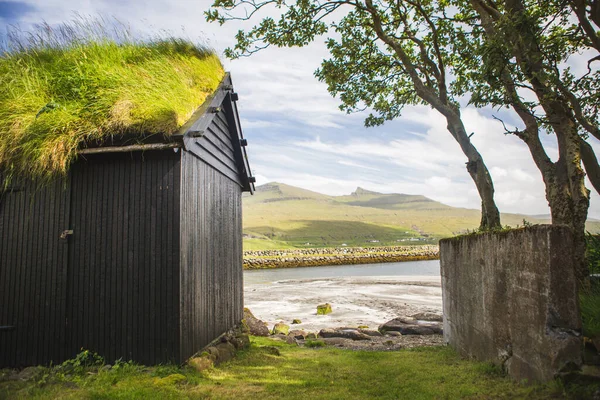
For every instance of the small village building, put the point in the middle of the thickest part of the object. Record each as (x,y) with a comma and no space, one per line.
(135,253)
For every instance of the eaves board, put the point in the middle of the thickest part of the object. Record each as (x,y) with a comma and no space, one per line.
(195,131)
(233,120)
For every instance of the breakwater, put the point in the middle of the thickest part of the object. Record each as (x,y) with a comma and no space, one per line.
(263,259)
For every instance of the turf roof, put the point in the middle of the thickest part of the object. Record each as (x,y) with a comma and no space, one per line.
(55,100)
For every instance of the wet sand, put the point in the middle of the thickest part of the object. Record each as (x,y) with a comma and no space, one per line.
(356,300)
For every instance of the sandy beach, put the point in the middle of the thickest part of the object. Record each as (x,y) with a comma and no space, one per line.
(356,300)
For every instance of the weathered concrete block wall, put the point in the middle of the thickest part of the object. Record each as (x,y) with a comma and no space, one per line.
(511,298)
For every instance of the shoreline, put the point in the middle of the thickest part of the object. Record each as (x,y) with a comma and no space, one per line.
(355,300)
(268,259)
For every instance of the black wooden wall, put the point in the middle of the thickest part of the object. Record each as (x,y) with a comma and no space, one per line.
(113,285)
(215,147)
(211,254)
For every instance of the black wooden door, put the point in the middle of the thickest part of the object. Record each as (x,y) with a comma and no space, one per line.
(33,268)
(123,280)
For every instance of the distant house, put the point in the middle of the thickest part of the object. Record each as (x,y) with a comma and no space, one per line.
(135,254)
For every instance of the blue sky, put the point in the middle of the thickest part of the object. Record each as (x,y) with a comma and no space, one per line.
(298,136)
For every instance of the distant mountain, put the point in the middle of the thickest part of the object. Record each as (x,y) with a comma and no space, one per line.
(281,216)
(279,192)
(364,192)
(367,198)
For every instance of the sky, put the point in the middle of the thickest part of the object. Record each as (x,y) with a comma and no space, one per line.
(297,135)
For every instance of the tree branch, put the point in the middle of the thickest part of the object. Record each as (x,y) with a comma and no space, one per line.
(590,163)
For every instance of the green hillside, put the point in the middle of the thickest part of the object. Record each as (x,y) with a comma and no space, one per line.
(280,216)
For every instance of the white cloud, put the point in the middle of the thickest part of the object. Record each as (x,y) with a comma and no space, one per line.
(357,165)
(298,135)
(257,123)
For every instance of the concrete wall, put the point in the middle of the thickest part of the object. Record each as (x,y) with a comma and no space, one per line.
(511,298)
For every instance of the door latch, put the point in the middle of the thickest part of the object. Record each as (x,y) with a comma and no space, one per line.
(66,234)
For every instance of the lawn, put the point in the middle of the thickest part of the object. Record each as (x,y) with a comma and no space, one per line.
(274,370)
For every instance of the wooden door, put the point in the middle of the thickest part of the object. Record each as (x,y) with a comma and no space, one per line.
(33,268)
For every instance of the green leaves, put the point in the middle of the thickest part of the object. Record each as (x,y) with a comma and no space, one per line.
(427,51)
(363,70)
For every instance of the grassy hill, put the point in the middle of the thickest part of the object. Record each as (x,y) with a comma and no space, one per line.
(280,216)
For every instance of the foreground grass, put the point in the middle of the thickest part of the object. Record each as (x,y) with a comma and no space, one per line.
(298,373)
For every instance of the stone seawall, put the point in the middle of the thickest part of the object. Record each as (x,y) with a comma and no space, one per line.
(337,256)
(511,298)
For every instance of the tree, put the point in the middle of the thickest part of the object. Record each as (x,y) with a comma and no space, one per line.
(520,46)
(386,56)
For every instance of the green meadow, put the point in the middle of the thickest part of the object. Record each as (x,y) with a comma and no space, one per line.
(280,216)
(275,370)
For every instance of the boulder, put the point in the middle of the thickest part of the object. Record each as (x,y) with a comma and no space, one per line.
(327,332)
(345,334)
(297,334)
(200,363)
(296,322)
(324,309)
(370,332)
(280,328)
(406,327)
(213,352)
(336,341)
(284,338)
(253,325)
(428,316)
(310,335)
(241,341)
(226,352)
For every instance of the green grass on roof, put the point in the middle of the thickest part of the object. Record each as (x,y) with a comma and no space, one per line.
(55,99)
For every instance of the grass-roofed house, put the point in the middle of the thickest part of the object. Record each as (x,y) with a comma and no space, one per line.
(120,204)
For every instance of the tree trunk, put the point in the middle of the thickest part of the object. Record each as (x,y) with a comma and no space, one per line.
(565,190)
(572,184)
(490,216)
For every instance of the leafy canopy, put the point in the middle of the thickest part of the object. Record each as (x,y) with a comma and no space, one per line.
(439,43)
(487,61)
(364,71)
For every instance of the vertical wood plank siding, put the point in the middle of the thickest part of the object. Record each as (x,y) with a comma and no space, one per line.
(211,278)
(33,262)
(123,277)
(113,286)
